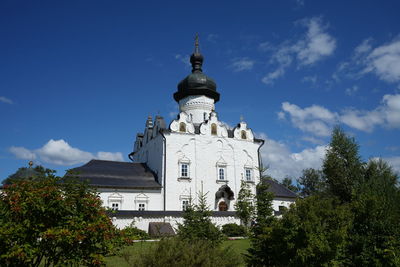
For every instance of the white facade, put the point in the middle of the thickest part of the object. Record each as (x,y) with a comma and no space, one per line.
(195,153)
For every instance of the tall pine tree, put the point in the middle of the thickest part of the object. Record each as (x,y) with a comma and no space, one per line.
(342,166)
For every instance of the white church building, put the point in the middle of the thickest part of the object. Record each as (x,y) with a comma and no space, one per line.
(172,162)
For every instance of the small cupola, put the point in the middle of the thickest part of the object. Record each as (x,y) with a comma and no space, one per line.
(197,83)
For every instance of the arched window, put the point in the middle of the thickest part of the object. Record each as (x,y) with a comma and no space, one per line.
(182,127)
(244,134)
(213,129)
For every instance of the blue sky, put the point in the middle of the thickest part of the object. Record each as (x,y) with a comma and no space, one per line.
(79,78)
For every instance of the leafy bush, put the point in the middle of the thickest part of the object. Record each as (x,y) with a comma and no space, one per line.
(177,252)
(131,233)
(49,222)
(233,229)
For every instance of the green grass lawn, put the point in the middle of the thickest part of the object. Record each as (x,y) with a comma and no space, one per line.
(240,246)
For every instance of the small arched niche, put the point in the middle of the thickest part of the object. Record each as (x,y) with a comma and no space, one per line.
(214,129)
(182,127)
(243,134)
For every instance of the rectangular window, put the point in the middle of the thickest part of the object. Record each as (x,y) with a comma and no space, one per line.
(221,173)
(142,206)
(185,204)
(114,206)
(184,170)
(248,175)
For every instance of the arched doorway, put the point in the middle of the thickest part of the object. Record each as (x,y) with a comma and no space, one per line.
(222,206)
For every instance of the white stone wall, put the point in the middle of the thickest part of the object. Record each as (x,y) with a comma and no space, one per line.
(279,201)
(129,199)
(198,107)
(143,222)
(204,153)
(152,154)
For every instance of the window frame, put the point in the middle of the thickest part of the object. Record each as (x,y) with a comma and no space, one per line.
(114,205)
(248,178)
(185,203)
(181,170)
(221,173)
(141,206)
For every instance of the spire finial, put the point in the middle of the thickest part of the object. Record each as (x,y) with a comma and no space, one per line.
(196,59)
(196,44)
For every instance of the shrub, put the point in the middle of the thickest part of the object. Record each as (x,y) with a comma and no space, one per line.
(177,252)
(52,223)
(131,233)
(232,229)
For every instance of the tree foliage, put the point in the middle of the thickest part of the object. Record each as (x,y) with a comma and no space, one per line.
(234,230)
(49,222)
(288,183)
(264,221)
(342,166)
(244,205)
(375,235)
(197,223)
(183,253)
(350,216)
(311,233)
(29,174)
(311,182)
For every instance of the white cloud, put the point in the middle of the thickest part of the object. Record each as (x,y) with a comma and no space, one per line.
(184,59)
(384,61)
(314,119)
(394,162)
(386,114)
(312,140)
(351,90)
(319,120)
(310,79)
(282,162)
(363,48)
(114,156)
(265,46)
(22,153)
(269,78)
(316,45)
(6,100)
(60,152)
(311,47)
(242,64)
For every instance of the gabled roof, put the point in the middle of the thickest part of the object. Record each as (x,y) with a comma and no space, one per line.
(115,174)
(279,190)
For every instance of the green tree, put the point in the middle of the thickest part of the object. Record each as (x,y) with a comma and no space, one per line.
(351,218)
(244,205)
(264,221)
(311,182)
(50,222)
(197,223)
(288,183)
(342,166)
(311,233)
(30,173)
(375,235)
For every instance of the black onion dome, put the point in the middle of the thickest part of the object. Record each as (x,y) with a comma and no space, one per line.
(197,83)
